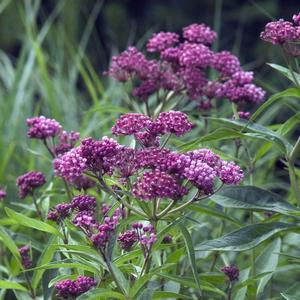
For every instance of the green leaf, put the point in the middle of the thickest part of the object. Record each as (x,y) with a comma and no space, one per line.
(101,294)
(288,125)
(267,262)
(189,282)
(288,297)
(201,208)
(246,238)
(10,285)
(285,72)
(57,265)
(253,198)
(191,253)
(10,244)
(291,92)
(31,223)
(254,130)
(119,276)
(168,295)
(45,258)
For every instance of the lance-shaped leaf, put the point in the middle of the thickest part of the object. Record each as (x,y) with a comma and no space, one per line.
(253,198)
(246,238)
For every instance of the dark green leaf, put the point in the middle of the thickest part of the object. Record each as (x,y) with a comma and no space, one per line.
(253,198)
(32,223)
(168,295)
(191,253)
(291,92)
(101,294)
(246,238)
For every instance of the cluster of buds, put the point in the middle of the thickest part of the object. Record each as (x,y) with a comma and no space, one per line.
(25,257)
(144,234)
(183,68)
(71,289)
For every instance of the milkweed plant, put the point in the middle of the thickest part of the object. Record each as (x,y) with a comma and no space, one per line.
(129,213)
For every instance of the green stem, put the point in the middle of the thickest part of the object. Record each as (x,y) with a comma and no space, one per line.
(293,181)
(32,292)
(118,198)
(38,211)
(290,68)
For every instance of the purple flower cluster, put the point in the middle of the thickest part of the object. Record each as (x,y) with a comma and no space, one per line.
(43,128)
(143,234)
(60,212)
(83,183)
(147,131)
(232,272)
(127,239)
(183,67)
(2,194)
(70,165)
(199,33)
(281,31)
(67,141)
(157,184)
(161,41)
(106,230)
(30,181)
(73,288)
(25,257)
(84,202)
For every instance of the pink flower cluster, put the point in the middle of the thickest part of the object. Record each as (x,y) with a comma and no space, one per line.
(43,128)
(25,257)
(168,169)
(281,31)
(30,181)
(71,289)
(183,68)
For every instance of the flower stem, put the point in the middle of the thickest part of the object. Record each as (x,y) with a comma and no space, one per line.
(32,292)
(38,211)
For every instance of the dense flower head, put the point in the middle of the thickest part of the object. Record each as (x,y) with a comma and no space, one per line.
(129,64)
(63,209)
(97,153)
(131,123)
(145,89)
(84,202)
(127,239)
(171,55)
(159,184)
(199,33)
(205,156)
(230,173)
(173,122)
(161,41)
(30,181)
(25,257)
(247,93)
(72,289)
(232,272)
(195,55)
(296,18)
(70,165)
(194,81)
(201,174)
(280,32)
(2,194)
(42,128)
(84,219)
(226,63)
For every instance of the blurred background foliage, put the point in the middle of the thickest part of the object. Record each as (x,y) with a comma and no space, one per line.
(54,52)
